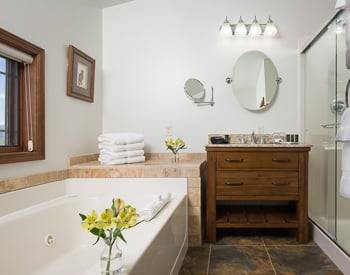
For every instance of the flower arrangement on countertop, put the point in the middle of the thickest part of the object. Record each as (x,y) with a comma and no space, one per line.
(109,226)
(175,145)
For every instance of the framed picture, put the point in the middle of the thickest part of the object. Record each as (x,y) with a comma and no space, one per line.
(81,75)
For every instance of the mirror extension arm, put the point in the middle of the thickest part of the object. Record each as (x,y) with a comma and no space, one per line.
(211,102)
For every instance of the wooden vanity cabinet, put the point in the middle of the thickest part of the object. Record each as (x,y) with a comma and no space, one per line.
(257,174)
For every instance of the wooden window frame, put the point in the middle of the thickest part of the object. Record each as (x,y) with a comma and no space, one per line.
(11,154)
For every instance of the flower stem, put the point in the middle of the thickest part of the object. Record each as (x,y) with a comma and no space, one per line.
(109,252)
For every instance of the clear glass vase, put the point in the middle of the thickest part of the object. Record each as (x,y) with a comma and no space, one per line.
(176,158)
(111,259)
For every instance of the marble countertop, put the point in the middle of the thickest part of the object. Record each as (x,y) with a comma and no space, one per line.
(156,168)
(281,145)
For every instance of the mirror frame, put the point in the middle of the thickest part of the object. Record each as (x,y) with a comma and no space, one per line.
(196,100)
(278,81)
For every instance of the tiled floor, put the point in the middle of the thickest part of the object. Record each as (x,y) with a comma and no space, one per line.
(263,253)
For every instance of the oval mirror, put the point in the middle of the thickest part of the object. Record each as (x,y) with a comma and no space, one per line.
(195,89)
(255,81)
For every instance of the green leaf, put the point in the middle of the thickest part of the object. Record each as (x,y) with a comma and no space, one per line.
(98,232)
(82,216)
(118,234)
(121,236)
(98,238)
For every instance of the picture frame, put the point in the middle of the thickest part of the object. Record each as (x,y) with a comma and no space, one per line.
(81,75)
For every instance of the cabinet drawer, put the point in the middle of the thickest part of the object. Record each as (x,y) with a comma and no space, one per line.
(257,160)
(257,183)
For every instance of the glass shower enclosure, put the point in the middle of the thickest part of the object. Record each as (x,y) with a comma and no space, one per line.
(326,78)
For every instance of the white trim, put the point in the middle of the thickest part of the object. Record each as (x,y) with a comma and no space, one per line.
(328,246)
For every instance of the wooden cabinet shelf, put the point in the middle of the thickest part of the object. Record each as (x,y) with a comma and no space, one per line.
(252,175)
(256,217)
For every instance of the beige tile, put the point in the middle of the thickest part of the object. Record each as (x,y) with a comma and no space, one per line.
(194,240)
(194,182)
(194,197)
(194,225)
(99,173)
(125,173)
(51,176)
(194,211)
(73,173)
(2,186)
(82,159)
(62,174)
(80,173)
(15,184)
(36,179)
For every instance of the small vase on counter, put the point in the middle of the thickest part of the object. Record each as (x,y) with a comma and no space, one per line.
(175,145)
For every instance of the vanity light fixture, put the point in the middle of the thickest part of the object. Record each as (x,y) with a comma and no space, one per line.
(255,29)
(270,29)
(241,29)
(225,28)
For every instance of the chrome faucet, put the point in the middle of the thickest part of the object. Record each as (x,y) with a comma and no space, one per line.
(253,138)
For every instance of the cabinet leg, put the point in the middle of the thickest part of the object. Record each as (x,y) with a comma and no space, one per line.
(211,235)
(303,233)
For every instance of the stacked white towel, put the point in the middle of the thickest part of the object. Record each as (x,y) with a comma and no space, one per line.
(121,148)
(343,135)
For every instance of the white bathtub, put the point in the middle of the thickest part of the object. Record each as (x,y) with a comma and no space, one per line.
(28,216)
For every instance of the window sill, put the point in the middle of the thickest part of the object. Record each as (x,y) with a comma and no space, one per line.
(21,157)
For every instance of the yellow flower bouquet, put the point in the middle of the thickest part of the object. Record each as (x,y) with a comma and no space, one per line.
(109,226)
(175,145)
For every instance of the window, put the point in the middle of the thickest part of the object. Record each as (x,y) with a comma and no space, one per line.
(9,102)
(22,66)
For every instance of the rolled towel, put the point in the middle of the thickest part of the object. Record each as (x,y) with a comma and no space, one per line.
(122,148)
(121,138)
(343,134)
(122,161)
(153,208)
(108,155)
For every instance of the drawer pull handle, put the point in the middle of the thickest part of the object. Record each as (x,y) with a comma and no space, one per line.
(234,160)
(281,183)
(281,160)
(234,183)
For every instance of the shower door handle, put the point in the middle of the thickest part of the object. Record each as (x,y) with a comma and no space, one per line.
(347,94)
(330,126)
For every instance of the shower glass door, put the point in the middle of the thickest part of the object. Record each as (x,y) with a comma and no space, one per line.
(343,204)
(320,128)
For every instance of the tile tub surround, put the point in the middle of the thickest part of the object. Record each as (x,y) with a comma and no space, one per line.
(158,166)
(13,184)
(258,252)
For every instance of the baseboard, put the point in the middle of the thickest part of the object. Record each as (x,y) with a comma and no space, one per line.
(336,254)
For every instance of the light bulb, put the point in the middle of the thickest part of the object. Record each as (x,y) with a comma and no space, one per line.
(225,28)
(241,29)
(271,29)
(255,29)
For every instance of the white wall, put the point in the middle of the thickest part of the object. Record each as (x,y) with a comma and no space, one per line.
(71,125)
(151,47)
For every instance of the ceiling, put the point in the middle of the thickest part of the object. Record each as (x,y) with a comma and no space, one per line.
(109,3)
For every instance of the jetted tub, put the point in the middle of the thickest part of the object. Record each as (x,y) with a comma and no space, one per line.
(40,229)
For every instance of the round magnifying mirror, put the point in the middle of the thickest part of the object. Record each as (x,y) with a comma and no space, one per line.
(195,89)
(255,81)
